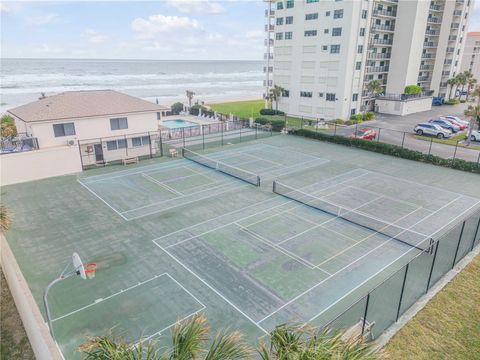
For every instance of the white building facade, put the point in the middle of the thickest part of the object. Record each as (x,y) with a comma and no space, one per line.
(471,55)
(326,52)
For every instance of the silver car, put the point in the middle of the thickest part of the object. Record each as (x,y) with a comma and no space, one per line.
(475,135)
(433,130)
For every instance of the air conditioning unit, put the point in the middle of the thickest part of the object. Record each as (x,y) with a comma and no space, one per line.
(71,142)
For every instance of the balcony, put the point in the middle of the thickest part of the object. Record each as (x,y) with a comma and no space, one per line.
(432,32)
(268,56)
(455,26)
(266,42)
(426,67)
(382,41)
(450,50)
(457,13)
(385,13)
(447,62)
(428,56)
(424,79)
(382,27)
(430,44)
(379,55)
(269,69)
(434,20)
(436,8)
(452,38)
(272,13)
(389,1)
(269,27)
(376,69)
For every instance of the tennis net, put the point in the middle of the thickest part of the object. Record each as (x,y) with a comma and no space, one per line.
(238,173)
(391,231)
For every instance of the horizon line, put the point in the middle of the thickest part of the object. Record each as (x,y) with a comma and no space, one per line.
(116,59)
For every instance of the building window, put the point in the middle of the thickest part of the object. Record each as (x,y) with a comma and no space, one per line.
(330,97)
(312,16)
(288,35)
(141,141)
(289,20)
(285,93)
(324,47)
(118,123)
(307,94)
(355,97)
(312,1)
(158,116)
(279,36)
(360,49)
(362,31)
(325,31)
(290,4)
(327,13)
(358,65)
(280,21)
(337,31)
(338,14)
(66,129)
(116,144)
(334,49)
(353,111)
(320,95)
(364,14)
(279,5)
(310,33)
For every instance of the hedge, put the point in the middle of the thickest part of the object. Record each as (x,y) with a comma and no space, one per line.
(392,150)
(277,125)
(271,112)
(452,102)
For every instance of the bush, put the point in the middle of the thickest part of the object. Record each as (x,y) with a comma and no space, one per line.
(338,121)
(452,102)
(277,125)
(195,110)
(356,118)
(176,108)
(261,120)
(7,126)
(412,89)
(369,116)
(463,101)
(392,150)
(271,112)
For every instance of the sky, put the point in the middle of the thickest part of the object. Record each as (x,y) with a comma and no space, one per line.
(164,29)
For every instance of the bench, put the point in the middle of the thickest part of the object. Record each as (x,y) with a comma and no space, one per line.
(131,160)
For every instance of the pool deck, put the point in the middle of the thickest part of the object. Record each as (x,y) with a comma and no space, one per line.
(191,118)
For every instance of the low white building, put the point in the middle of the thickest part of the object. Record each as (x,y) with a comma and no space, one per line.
(105,125)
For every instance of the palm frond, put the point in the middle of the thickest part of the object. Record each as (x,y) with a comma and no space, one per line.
(229,346)
(188,338)
(5,220)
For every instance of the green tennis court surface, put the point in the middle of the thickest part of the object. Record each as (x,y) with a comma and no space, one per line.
(172,238)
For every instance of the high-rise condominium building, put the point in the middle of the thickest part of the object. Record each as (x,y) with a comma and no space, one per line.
(471,55)
(325,52)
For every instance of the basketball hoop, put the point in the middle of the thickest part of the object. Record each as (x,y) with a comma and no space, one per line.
(90,270)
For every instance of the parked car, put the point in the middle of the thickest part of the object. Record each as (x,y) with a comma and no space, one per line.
(437,100)
(475,135)
(364,133)
(433,130)
(461,125)
(458,120)
(444,123)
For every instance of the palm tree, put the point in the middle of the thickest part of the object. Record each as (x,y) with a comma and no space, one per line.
(374,88)
(5,220)
(452,82)
(189,339)
(476,94)
(471,81)
(473,112)
(461,80)
(190,95)
(275,94)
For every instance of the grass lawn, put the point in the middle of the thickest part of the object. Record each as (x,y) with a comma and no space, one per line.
(448,327)
(244,109)
(451,141)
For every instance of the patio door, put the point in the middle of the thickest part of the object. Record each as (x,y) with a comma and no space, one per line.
(98,152)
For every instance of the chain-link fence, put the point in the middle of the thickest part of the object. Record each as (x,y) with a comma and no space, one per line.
(19,143)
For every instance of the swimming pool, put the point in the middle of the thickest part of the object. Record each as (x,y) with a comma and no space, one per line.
(178,123)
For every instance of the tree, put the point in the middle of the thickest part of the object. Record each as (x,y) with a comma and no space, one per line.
(374,87)
(476,94)
(473,112)
(471,81)
(452,82)
(190,94)
(275,94)
(461,80)
(5,220)
(7,126)
(412,89)
(176,108)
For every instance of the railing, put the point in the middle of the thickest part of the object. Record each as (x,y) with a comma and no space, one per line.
(382,41)
(379,55)
(427,56)
(450,50)
(384,13)
(426,67)
(424,78)
(383,27)
(430,44)
(434,20)
(18,144)
(376,69)
(403,97)
(436,7)
(432,32)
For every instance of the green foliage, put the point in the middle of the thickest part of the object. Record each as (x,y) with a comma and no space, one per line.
(243,109)
(176,108)
(195,110)
(412,89)
(277,125)
(5,220)
(7,126)
(271,112)
(392,150)
(7,119)
(338,121)
(356,118)
(463,101)
(369,116)
(452,102)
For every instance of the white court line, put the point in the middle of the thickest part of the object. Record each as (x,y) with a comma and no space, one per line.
(211,288)
(166,187)
(347,266)
(108,297)
(106,203)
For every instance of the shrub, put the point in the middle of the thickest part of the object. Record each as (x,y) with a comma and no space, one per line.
(271,112)
(176,108)
(195,110)
(369,116)
(7,126)
(463,101)
(452,102)
(277,125)
(261,120)
(356,118)
(338,121)
(412,89)
(392,150)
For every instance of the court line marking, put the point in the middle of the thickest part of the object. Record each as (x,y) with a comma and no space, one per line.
(106,203)
(345,267)
(166,187)
(98,301)
(388,265)
(211,288)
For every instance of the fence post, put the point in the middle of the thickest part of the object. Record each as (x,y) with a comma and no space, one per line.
(458,244)
(285,121)
(81,159)
(126,145)
(356,129)
(334,129)
(475,236)
(221,131)
(478,158)
(403,140)
(365,313)
(301,123)
(256,130)
(150,145)
(430,147)
(455,152)
(203,137)
(160,143)
(183,136)
(431,269)
(378,136)
(240,133)
(401,293)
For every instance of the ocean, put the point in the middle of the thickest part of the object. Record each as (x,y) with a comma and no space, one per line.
(23,80)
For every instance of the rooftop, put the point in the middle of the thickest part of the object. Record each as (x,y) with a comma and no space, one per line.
(82,104)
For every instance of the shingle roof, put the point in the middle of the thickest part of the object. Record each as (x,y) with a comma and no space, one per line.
(81,104)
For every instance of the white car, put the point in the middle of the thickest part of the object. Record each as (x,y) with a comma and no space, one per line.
(475,135)
(457,119)
(433,130)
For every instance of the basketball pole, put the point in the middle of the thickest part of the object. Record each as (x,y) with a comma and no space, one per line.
(45,300)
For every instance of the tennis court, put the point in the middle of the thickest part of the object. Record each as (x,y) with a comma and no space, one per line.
(254,234)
